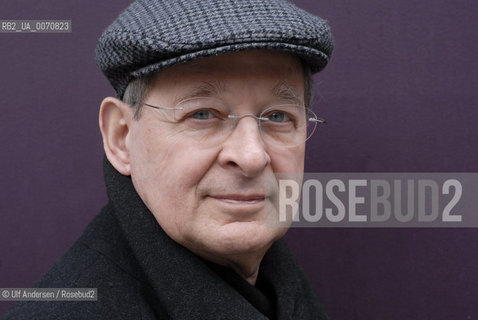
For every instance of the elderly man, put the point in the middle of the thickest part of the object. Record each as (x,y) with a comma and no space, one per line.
(212,101)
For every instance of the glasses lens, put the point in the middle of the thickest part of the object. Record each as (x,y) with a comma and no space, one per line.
(312,121)
(287,125)
(202,119)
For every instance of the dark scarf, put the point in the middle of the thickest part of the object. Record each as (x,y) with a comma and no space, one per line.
(184,286)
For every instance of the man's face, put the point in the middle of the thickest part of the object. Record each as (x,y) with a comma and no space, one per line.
(215,198)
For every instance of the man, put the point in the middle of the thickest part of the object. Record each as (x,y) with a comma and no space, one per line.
(212,102)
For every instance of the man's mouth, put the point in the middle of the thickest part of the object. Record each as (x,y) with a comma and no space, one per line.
(239,199)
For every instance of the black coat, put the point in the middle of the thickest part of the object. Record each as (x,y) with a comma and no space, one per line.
(141,273)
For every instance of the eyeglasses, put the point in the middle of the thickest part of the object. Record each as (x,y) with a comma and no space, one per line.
(209,121)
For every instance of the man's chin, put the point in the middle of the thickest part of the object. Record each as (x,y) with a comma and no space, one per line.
(241,238)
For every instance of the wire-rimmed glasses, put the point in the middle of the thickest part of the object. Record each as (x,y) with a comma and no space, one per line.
(210,121)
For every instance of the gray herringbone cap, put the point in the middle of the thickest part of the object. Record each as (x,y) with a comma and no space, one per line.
(151,35)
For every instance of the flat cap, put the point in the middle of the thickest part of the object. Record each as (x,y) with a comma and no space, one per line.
(151,35)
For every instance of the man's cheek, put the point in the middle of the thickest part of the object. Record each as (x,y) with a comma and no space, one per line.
(190,167)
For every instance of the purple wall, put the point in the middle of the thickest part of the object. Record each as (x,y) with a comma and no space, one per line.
(398,96)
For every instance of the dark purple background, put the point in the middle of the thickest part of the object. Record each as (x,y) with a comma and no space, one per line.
(399,95)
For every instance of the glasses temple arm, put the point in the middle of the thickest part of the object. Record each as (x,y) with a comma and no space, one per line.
(161,108)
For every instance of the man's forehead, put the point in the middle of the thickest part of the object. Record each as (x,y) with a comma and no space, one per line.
(279,74)
(281,90)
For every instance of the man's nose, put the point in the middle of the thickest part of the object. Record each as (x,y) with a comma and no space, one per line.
(245,148)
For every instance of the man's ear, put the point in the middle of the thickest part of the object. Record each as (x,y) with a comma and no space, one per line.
(115,119)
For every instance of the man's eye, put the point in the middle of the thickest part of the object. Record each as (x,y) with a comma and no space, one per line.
(203,114)
(278,116)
